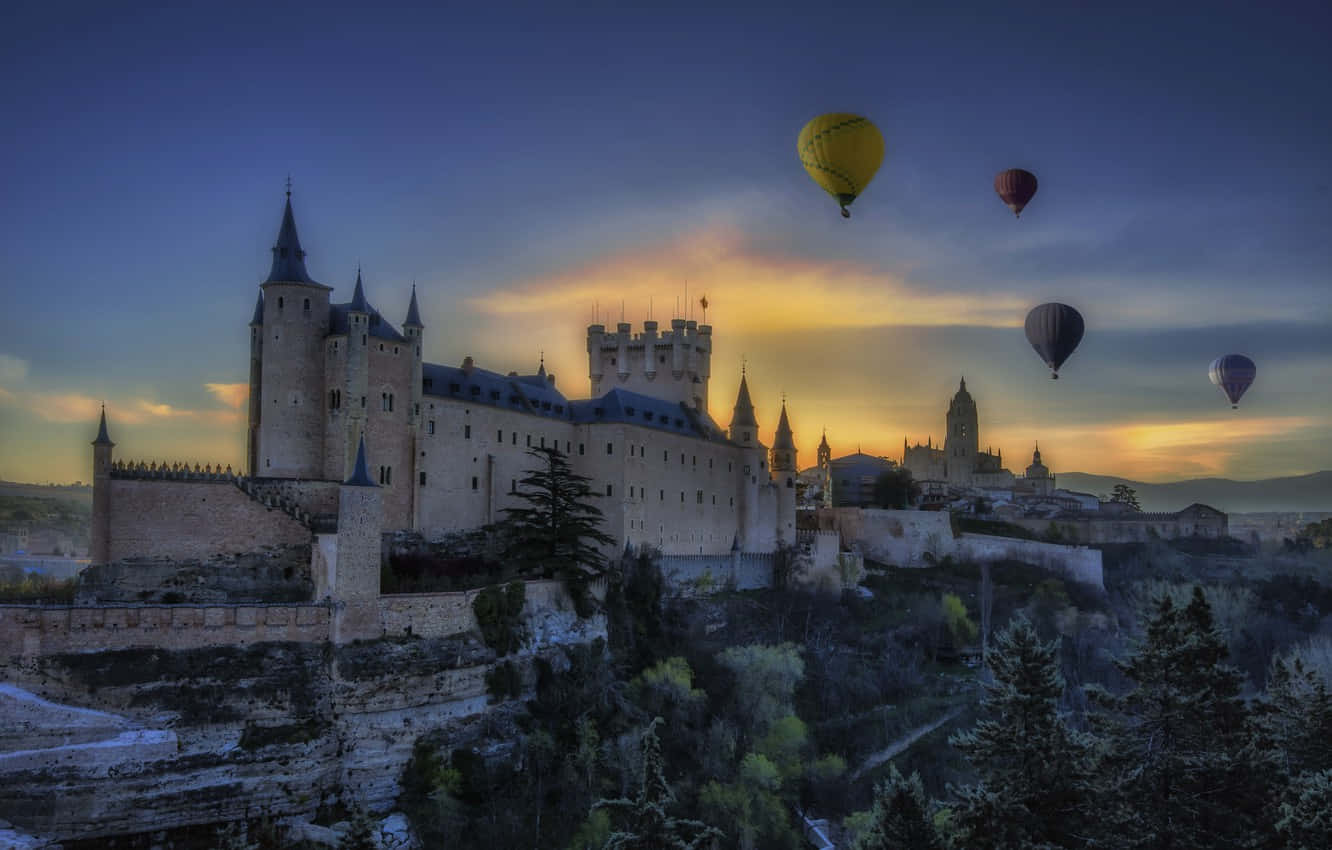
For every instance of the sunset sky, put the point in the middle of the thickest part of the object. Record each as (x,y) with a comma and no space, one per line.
(523,162)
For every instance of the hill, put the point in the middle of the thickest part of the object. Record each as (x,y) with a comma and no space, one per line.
(1311,492)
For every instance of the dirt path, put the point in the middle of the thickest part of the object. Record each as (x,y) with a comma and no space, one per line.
(902,743)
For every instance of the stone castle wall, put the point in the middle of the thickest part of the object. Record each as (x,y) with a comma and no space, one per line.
(1076,563)
(900,538)
(745,572)
(1135,528)
(30,631)
(192,519)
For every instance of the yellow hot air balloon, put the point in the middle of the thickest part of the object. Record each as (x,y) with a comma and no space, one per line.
(841,152)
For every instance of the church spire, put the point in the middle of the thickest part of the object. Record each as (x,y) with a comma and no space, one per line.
(103,438)
(288,258)
(413,312)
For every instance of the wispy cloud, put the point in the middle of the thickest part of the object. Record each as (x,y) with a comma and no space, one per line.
(13,370)
(61,407)
(747,288)
(232,395)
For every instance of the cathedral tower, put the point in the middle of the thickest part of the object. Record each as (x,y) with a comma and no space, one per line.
(963,440)
(295,322)
(101,509)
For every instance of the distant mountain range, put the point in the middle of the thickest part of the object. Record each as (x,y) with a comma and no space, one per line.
(1296,493)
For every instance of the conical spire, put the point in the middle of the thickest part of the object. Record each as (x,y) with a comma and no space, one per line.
(288,258)
(1036,455)
(358,302)
(823,441)
(103,438)
(784,440)
(360,476)
(744,408)
(413,312)
(258,310)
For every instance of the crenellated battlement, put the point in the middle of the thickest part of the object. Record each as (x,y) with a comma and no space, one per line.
(175,471)
(673,364)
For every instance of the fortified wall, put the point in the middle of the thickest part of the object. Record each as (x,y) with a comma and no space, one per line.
(1194,521)
(919,538)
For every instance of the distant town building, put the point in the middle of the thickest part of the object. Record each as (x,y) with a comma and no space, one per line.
(853,478)
(959,462)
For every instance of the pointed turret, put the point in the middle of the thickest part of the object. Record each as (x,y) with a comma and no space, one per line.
(103,439)
(784,439)
(288,258)
(413,312)
(360,476)
(258,318)
(358,303)
(743,415)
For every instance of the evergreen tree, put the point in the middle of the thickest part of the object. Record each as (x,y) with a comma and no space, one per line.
(899,818)
(1125,495)
(558,533)
(1294,719)
(895,488)
(644,822)
(1305,818)
(1181,768)
(1034,789)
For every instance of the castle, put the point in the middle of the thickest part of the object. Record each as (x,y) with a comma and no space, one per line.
(444,447)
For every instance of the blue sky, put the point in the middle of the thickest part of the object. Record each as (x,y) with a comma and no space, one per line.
(521,161)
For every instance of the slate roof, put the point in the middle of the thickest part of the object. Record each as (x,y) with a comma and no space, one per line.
(413,314)
(288,258)
(380,328)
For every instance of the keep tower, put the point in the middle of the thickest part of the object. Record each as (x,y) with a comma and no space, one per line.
(963,439)
(288,343)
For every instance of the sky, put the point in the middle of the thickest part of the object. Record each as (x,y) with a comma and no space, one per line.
(527,165)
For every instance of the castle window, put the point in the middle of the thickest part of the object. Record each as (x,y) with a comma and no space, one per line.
(790,483)
(663,495)
(475,390)
(515,438)
(390,402)
(746,436)
(612,361)
(363,402)
(567,446)
(714,498)
(709,463)
(732,501)
(543,442)
(665,456)
(416,408)
(513,485)
(610,491)
(335,347)
(529,441)
(430,426)
(467,432)
(580,448)
(429,383)
(494,395)
(280,302)
(679,423)
(682,458)
(682,497)
(559,408)
(475,482)
(268,462)
(693,460)
(610,448)
(628,411)
(453,388)
(545,405)
(631,491)
(381,346)
(499,436)
(363,340)
(422,479)
(395,349)
(647,414)
(306,305)
(599,411)
(728,466)
(699,497)
(661,359)
(418,351)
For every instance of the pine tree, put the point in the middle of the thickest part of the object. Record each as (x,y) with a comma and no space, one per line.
(1294,718)
(1034,789)
(1182,769)
(1305,818)
(645,824)
(899,818)
(559,532)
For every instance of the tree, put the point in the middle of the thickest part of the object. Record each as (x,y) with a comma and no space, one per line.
(360,835)
(899,819)
(1033,789)
(1179,764)
(895,488)
(1125,495)
(645,824)
(558,533)
(1304,821)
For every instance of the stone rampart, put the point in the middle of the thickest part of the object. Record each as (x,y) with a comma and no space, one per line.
(30,631)
(1076,563)
(897,538)
(435,615)
(1131,528)
(193,518)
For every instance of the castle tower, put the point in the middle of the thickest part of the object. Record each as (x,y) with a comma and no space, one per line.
(256,386)
(784,471)
(754,475)
(354,581)
(356,375)
(100,551)
(415,333)
(1039,478)
(963,439)
(295,323)
(674,366)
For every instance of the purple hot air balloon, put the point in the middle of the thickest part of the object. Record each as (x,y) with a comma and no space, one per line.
(1016,188)
(1233,373)
(1054,330)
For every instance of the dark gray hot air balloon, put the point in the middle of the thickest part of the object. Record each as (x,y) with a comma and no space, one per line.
(1054,330)
(1016,187)
(1233,373)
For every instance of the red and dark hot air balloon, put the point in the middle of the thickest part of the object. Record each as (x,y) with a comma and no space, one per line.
(1233,373)
(1054,330)
(1016,188)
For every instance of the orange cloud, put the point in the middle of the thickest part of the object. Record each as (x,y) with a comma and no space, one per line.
(747,289)
(76,407)
(232,395)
